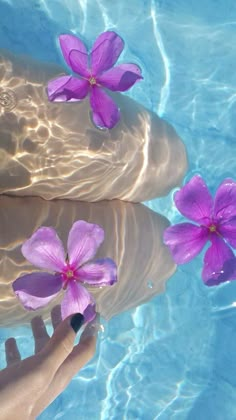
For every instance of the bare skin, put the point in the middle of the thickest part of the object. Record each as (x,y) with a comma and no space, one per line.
(28,386)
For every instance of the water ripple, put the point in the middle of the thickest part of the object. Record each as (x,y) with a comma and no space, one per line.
(164,96)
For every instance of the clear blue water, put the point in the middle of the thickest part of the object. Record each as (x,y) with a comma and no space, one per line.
(173,357)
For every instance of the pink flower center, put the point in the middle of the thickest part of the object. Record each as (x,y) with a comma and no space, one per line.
(92,81)
(212,228)
(68,275)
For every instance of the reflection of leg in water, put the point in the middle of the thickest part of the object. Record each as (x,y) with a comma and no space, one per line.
(133,239)
(54,151)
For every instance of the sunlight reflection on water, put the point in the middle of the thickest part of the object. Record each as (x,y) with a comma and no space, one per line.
(173,357)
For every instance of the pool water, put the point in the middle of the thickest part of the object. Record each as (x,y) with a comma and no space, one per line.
(174,356)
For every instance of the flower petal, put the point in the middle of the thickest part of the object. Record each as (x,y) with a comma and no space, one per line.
(185,241)
(79,64)
(83,241)
(36,290)
(102,272)
(228,271)
(105,112)
(90,312)
(55,87)
(44,249)
(121,77)
(105,52)
(228,231)
(194,201)
(214,262)
(76,300)
(225,200)
(67,89)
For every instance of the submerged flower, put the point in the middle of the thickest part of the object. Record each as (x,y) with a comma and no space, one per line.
(45,250)
(216,222)
(96,72)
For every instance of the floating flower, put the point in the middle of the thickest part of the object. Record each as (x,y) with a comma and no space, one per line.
(216,222)
(96,72)
(45,250)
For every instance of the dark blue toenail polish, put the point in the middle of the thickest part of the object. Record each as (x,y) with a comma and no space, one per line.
(76,322)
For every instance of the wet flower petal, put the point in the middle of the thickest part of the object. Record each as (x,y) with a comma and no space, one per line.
(36,290)
(120,78)
(44,249)
(228,231)
(228,272)
(185,241)
(225,200)
(83,241)
(105,52)
(229,269)
(79,64)
(90,312)
(76,300)
(67,89)
(105,112)
(215,258)
(102,272)
(194,201)
(55,87)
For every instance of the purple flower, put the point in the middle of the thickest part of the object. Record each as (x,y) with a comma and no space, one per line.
(216,222)
(45,250)
(96,72)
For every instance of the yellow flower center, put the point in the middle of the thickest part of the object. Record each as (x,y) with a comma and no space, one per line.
(212,228)
(69,274)
(92,81)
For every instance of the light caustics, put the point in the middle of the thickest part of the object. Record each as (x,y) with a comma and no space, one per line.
(158,38)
